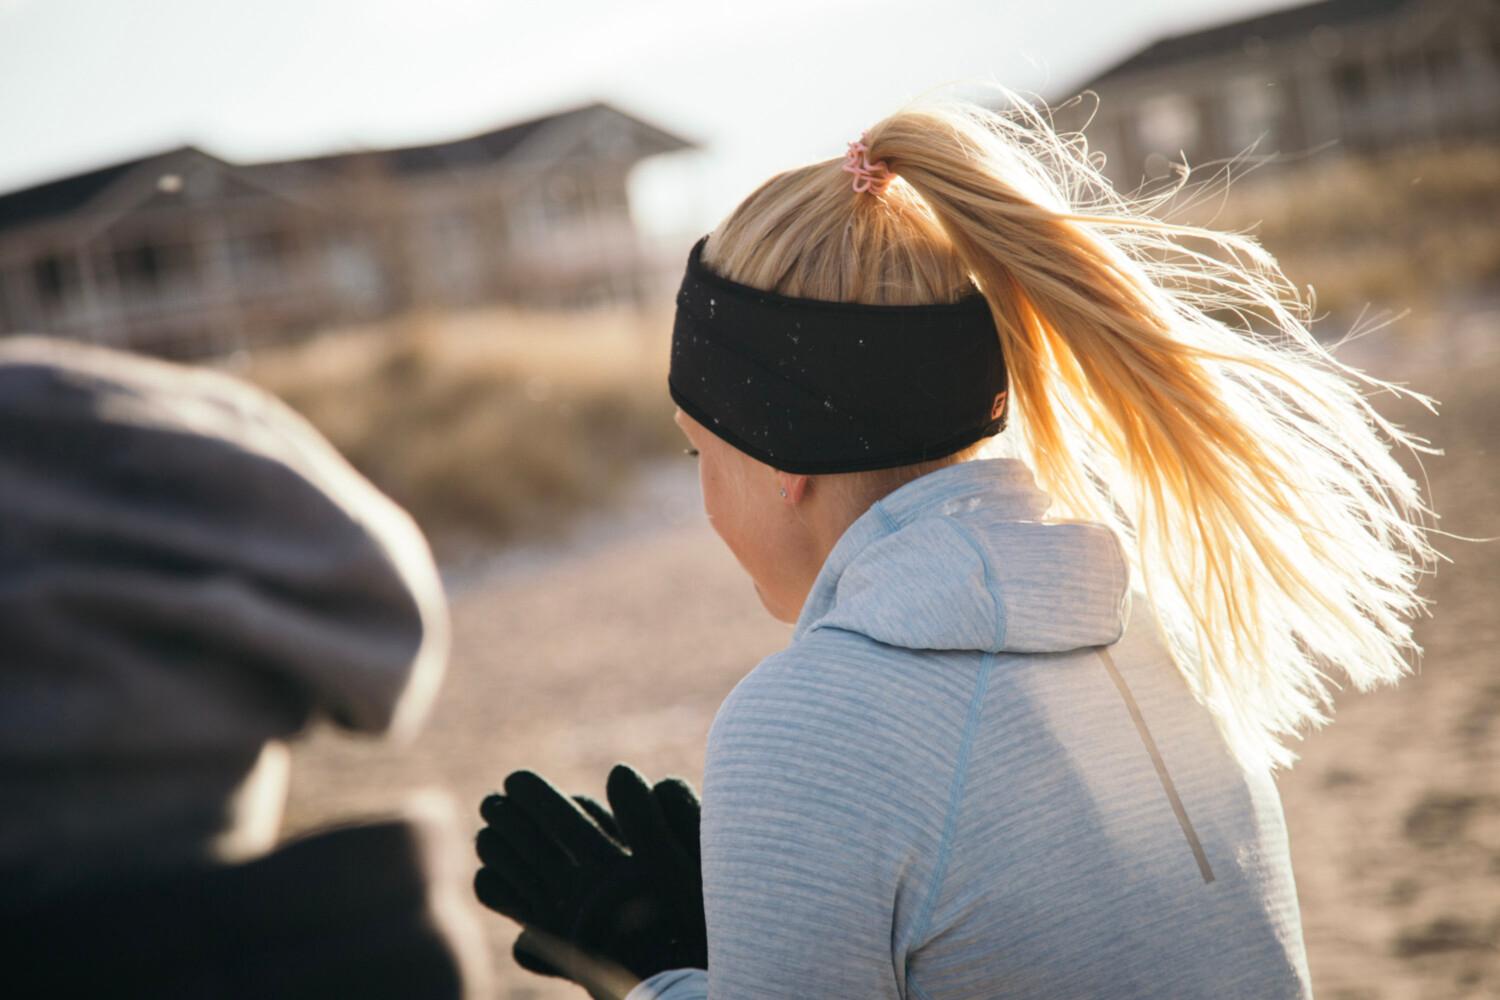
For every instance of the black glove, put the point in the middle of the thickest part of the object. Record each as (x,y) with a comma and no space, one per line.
(596,891)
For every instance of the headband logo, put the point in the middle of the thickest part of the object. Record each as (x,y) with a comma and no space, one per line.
(998,407)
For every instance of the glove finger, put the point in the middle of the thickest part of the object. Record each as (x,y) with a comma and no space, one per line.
(682,811)
(532,857)
(528,956)
(637,813)
(599,815)
(561,819)
(500,894)
(494,851)
(490,806)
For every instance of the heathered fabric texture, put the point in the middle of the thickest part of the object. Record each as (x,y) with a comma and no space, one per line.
(939,790)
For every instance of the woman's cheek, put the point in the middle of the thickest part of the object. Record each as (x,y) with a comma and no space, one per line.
(716,502)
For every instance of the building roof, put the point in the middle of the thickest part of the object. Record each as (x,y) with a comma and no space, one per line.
(69,194)
(488,147)
(471,151)
(1273,26)
(62,196)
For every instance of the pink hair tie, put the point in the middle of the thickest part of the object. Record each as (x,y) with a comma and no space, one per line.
(868,176)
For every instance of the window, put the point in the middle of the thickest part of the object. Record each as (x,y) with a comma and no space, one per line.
(1352,83)
(151,267)
(1445,65)
(1167,124)
(562,199)
(1410,72)
(55,279)
(1252,111)
(140,266)
(260,256)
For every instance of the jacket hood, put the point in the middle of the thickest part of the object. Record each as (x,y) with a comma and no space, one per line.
(961,558)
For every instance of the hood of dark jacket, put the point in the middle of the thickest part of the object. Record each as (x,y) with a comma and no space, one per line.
(188,573)
(964,558)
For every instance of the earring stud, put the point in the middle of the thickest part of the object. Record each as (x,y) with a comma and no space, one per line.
(783,491)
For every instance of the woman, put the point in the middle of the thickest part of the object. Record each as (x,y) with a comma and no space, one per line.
(1020,744)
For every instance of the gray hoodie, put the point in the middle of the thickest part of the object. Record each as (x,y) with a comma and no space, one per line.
(975,773)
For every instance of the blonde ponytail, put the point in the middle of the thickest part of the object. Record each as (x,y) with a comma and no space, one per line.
(1163,380)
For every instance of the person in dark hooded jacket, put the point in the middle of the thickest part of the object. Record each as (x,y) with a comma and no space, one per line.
(189,575)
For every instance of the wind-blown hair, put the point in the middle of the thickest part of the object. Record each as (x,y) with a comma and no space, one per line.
(1163,380)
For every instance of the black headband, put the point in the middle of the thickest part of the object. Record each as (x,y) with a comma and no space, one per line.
(811,386)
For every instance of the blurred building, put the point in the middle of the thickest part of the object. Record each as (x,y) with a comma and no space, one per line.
(185,254)
(1340,76)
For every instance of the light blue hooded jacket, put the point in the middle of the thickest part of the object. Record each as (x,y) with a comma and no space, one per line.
(974,773)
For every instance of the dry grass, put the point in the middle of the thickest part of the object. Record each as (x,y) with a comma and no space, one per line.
(1402,230)
(487,425)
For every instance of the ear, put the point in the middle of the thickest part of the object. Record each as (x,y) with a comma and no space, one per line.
(793,486)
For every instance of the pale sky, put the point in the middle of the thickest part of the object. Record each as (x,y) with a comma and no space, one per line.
(763,84)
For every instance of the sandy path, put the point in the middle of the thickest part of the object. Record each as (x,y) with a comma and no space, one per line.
(623,645)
